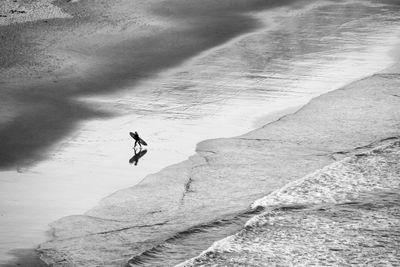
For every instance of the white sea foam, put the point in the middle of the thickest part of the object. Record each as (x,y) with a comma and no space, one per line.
(343,182)
(340,181)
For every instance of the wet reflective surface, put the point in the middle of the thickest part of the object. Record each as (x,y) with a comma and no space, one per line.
(224,91)
(137,156)
(344,214)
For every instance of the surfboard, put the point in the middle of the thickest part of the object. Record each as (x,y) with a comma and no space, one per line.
(132,135)
(141,141)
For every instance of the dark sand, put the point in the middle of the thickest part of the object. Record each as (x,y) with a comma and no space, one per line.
(25,258)
(50,111)
(227,175)
(41,81)
(46,104)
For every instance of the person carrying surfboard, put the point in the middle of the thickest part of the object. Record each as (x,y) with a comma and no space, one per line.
(137,139)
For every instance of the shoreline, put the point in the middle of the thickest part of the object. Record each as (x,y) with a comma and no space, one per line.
(62,76)
(124,60)
(263,119)
(325,206)
(213,151)
(30,256)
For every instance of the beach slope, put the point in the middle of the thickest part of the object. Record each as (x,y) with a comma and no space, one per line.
(227,175)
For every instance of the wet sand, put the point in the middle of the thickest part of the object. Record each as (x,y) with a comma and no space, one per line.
(346,213)
(99,78)
(72,55)
(211,184)
(49,109)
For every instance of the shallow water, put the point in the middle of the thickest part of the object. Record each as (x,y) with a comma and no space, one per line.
(297,55)
(347,214)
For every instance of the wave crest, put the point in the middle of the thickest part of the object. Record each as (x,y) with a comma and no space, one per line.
(345,213)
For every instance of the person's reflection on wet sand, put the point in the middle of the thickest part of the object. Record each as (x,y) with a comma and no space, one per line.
(137,156)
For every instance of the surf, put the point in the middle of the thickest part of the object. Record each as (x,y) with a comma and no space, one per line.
(359,192)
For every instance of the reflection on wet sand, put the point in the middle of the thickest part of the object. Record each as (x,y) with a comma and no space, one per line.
(51,110)
(137,156)
(305,55)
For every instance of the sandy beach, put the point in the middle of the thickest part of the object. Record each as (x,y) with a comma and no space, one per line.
(317,80)
(328,129)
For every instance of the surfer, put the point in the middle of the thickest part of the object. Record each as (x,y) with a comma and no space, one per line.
(135,136)
(137,139)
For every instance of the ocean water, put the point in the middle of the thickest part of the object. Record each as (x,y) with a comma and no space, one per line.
(347,213)
(300,53)
(297,53)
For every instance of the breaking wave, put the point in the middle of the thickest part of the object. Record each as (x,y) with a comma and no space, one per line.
(174,249)
(345,213)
